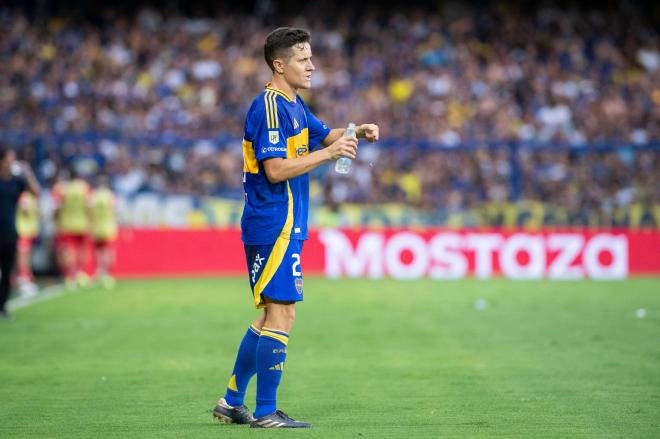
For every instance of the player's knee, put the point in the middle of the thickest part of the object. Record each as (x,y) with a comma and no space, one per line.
(286,314)
(259,323)
(280,316)
(290,314)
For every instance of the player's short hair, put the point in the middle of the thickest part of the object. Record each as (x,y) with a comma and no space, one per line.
(280,41)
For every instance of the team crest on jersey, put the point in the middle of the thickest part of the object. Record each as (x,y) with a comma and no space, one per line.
(298,282)
(295,124)
(274,137)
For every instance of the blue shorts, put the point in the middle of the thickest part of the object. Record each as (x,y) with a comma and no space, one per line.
(274,271)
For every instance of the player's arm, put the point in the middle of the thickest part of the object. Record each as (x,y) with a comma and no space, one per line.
(32,183)
(279,169)
(368,131)
(23,204)
(56,195)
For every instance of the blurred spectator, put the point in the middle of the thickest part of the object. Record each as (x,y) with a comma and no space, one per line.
(156,101)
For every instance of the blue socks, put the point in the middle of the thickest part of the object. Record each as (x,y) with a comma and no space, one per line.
(263,353)
(244,368)
(271,355)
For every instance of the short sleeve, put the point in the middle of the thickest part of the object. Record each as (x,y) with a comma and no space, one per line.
(317,129)
(268,126)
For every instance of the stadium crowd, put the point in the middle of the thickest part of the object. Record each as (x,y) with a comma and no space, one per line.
(480,104)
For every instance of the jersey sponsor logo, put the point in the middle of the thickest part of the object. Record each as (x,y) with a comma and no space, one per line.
(295,124)
(299,285)
(302,150)
(273,149)
(274,137)
(256,266)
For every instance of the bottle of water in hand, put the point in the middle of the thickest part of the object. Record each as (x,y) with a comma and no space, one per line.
(343,164)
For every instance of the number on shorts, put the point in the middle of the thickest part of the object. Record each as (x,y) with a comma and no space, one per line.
(296,265)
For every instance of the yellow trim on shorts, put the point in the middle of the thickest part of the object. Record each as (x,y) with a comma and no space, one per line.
(276,255)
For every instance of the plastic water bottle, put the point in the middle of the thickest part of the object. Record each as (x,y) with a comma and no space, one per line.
(343,164)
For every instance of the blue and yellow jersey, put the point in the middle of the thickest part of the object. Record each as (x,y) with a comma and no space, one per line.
(277,125)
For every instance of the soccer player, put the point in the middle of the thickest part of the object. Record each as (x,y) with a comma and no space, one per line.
(27,225)
(14,179)
(104,230)
(72,223)
(283,142)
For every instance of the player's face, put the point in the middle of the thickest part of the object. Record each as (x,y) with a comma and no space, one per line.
(298,69)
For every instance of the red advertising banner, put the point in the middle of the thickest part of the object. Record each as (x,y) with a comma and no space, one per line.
(405,254)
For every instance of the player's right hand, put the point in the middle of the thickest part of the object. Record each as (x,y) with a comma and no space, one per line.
(343,147)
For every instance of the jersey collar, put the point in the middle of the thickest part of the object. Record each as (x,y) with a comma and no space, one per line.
(279,92)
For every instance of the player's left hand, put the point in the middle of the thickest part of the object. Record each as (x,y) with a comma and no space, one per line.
(367,131)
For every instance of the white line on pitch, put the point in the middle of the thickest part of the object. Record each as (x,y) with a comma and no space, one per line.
(44,295)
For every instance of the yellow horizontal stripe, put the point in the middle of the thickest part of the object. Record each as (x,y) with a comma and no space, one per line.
(277,331)
(254,328)
(276,336)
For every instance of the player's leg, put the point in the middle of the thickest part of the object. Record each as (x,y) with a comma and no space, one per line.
(26,283)
(23,260)
(245,366)
(271,354)
(271,357)
(280,295)
(104,259)
(7,258)
(64,257)
(230,408)
(80,257)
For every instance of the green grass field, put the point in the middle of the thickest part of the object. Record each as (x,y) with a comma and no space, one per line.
(366,359)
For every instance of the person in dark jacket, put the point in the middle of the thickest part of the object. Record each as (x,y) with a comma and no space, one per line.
(15,177)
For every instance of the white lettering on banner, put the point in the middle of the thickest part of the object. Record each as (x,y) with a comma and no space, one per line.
(340,257)
(569,246)
(526,244)
(445,255)
(416,245)
(616,246)
(445,249)
(483,244)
